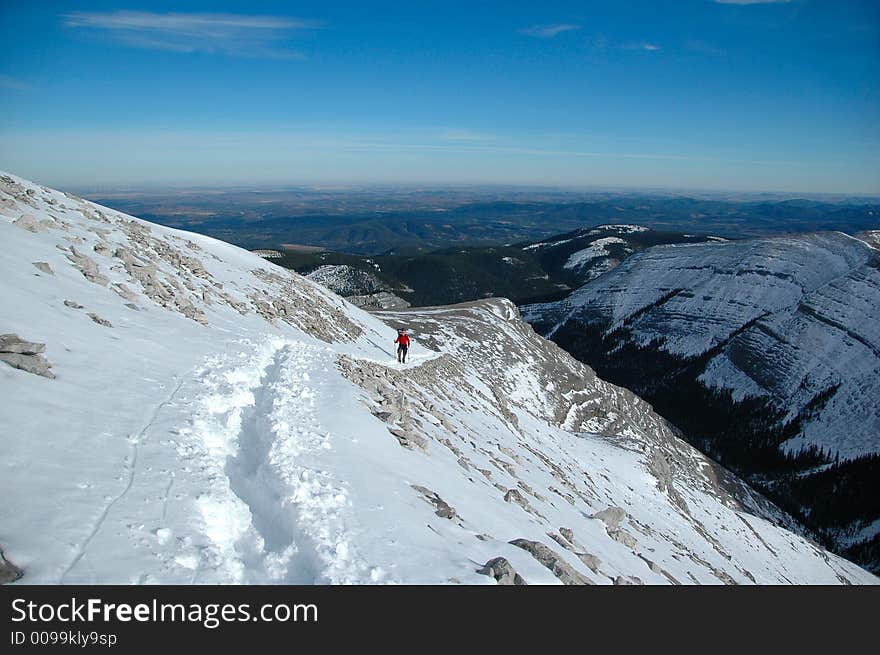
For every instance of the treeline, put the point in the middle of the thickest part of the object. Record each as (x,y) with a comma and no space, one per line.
(744,436)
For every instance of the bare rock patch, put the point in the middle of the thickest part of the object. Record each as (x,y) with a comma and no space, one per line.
(552,561)
(24,355)
(502,571)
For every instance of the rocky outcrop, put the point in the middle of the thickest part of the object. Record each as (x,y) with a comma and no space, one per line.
(87,266)
(612,517)
(627,580)
(502,571)
(100,321)
(24,355)
(514,496)
(551,560)
(379,300)
(441,507)
(31,224)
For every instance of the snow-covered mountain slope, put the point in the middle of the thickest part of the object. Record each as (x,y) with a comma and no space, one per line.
(766,352)
(584,254)
(346,280)
(360,287)
(790,317)
(212,418)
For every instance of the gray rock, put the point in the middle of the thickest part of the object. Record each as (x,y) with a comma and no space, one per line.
(44,267)
(35,364)
(562,541)
(627,580)
(103,249)
(379,300)
(9,572)
(503,572)
(551,560)
(12,343)
(87,267)
(72,304)
(514,496)
(408,438)
(661,468)
(611,516)
(622,536)
(30,223)
(100,321)
(592,562)
(441,507)
(124,292)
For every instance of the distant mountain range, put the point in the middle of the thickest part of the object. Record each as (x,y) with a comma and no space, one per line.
(410,222)
(527,272)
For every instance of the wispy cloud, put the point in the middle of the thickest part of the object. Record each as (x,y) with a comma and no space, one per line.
(13,84)
(642,45)
(549,31)
(231,34)
(751,2)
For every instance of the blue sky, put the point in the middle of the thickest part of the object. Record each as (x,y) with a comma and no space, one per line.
(702,94)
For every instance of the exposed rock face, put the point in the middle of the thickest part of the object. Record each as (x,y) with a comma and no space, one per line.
(87,267)
(389,391)
(441,507)
(566,393)
(31,224)
(100,321)
(514,496)
(44,267)
(503,572)
(12,343)
(612,516)
(24,355)
(347,280)
(361,288)
(592,562)
(546,556)
(168,269)
(379,300)
(627,580)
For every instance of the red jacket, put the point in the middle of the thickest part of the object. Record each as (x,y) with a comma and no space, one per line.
(403,340)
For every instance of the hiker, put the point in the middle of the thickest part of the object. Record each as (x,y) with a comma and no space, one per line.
(403,345)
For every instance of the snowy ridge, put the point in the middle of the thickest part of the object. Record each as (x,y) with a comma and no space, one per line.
(596,249)
(216,419)
(361,288)
(793,317)
(346,280)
